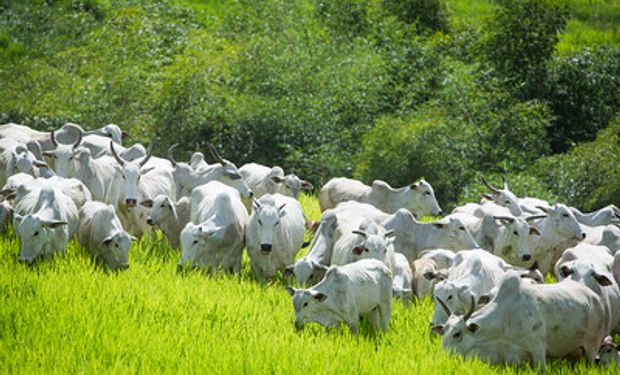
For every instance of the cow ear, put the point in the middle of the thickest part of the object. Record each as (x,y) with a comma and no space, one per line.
(473,327)
(106,241)
(601,279)
(147,203)
(146,170)
(306,185)
(53,223)
(277,179)
(255,204)
(281,210)
(390,234)
(486,196)
(358,250)
(320,297)
(484,299)
(438,329)
(535,231)
(290,290)
(438,225)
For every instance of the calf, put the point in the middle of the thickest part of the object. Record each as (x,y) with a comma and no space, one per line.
(360,289)
(171,217)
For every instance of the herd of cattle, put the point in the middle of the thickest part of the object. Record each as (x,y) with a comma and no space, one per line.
(484,263)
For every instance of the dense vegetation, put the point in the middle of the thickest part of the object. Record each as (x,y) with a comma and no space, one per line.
(376,89)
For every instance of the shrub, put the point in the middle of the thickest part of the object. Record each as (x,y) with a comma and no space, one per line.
(428,15)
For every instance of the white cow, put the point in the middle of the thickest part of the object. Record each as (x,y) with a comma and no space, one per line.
(275,234)
(16,157)
(214,237)
(609,353)
(368,240)
(527,322)
(139,181)
(471,278)
(604,235)
(592,266)
(413,237)
(264,180)
(71,187)
(99,175)
(604,216)
(335,223)
(45,219)
(101,233)
(197,161)
(559,230)
(426,274)
(402,282)
(187,178)
(171,217)
(63,156)
(418,198)
(6,215)
(346,293)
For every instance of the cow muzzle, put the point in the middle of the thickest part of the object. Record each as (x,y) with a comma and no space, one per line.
(526,257)
(265,248)
(149,221)
(131,203)
(27,260)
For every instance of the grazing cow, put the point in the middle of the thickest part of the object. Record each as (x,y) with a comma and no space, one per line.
(608,353)
(139,181)
(471,278)
(526,322)
(101,233)
(559,230)
(604,216)
(71,187)
(402,282)
(346,293)
(413,237)
(418,198)
(335,223)
(214,237)
(592,266)
(275,234)
(187,178)
(264,180)
(45,219)
(171,217)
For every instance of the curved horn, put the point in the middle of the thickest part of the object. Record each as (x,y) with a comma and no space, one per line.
(535,217)
(445,307)
(491,187)
(53,139)
(506,218)
(149,153)
(118,159)
(79,140)
(471,309)
(361,233)
(215,154)
(504,182)
(171,156)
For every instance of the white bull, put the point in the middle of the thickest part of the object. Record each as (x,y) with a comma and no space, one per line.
(275,234)
(101,233)
(346,293)
(527,322)
(214,237)
(418,197)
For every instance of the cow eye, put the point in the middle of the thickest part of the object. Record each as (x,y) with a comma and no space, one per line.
(36,233)
(515,233)
(565,215)
(163,205)
(71,158)
(305,304)
(449,297)
(195,242)
(260,222)
(462,228)
(427,193)
(277,223)
(116,245)
(507,202)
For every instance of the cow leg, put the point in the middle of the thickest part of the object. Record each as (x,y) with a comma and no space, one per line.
(375,318)
(385,311)
(353,326)
(539,357)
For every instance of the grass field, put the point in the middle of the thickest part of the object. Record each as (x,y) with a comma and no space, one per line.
(70,316)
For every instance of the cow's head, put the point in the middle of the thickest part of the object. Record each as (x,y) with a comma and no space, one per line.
(608,353)
(196,242)
(24,160)
(459,331)
(266,217)
(456,297)
(291,185)
(112,131)
(422,201)
(503,197)
(374,243)
(229,174)
(63,156)
(115,250)
(513,238)
(131,172)
(306,271)
(197,160)
(453,234)
(309,306)
(585,273)
(562,221)
(162,209)
(36,235)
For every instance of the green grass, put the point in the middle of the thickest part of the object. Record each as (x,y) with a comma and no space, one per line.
(68,315)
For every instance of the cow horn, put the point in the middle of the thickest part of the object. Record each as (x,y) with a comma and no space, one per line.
(360,232)
(149,153)
(504,182)
(445,307)
(491,187)
(171,156)
(215,154)
(471,310)
(53,139)
(534,266)
(118,159)
(535,217)
(506,218)
(79,140)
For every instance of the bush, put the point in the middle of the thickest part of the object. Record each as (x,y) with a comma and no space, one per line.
(428,15)
(583,92)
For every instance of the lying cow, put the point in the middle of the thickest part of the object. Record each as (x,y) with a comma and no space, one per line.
(526,322)
(418,198)
(360,289)
(101,233)
(275,234)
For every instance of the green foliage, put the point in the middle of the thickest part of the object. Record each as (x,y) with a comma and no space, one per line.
(583,91)
(428,15)
(521,38)
(587,176)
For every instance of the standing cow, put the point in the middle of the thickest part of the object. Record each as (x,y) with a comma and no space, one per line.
(264,180)
(171,217)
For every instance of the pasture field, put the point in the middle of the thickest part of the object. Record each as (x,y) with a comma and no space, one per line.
(70,316)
